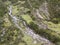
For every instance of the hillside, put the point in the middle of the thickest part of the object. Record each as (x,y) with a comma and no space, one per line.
(29,22)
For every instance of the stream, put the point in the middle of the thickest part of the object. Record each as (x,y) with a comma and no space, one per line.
(28,31)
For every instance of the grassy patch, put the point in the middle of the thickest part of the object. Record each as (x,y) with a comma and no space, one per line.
(27,18)
(7,22)
(54,27)
(15,10)
(28,39)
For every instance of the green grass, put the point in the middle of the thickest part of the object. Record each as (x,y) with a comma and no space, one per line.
(15,10)
(27,18)
(28,39)
(7,22)
(54,27)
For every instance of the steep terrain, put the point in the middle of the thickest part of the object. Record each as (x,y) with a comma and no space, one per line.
(29,22)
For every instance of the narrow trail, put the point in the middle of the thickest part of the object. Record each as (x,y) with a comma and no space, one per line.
(28,31)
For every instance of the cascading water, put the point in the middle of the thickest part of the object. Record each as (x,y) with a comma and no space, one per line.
(27,29)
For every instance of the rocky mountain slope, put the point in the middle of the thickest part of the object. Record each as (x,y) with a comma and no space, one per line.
(29,22)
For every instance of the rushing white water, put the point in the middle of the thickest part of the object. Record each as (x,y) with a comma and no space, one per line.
(28,31)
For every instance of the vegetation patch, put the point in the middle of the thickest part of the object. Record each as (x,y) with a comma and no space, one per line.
(27,18)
